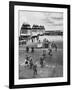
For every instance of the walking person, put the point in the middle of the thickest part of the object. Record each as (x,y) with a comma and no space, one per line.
(50,51)
(32,49)
(41,62)
(44,54)
(55,47)
(27,49)
(34,70)
(31,63)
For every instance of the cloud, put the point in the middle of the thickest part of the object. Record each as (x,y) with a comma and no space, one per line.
(57,18)
(51,20)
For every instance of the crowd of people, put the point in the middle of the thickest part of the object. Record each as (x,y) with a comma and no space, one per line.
(29,60)
(29,63)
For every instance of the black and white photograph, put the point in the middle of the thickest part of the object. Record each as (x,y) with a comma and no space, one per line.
(39,44)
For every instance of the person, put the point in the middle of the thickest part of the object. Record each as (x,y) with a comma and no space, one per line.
(55,47)
(32,49)
(31,63)
(41,61)
(26,61)
(27,57)
(27,49)
(34,69)
(44,54)
(32,40)
(37,38)
(50,51)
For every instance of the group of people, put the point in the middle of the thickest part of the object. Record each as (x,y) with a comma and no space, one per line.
(51,47)
(29,63)
(27,49)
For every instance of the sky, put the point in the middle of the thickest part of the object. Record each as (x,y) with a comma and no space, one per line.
(50,20)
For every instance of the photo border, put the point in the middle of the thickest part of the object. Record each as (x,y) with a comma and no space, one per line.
(11,43)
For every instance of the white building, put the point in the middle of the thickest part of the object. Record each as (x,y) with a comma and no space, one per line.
(25,30)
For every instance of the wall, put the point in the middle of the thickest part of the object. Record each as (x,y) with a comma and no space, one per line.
(4,45)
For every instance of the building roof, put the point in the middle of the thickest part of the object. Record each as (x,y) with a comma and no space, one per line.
(38,27)
(25,26)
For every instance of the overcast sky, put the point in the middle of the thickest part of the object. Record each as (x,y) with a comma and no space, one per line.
(51,20)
